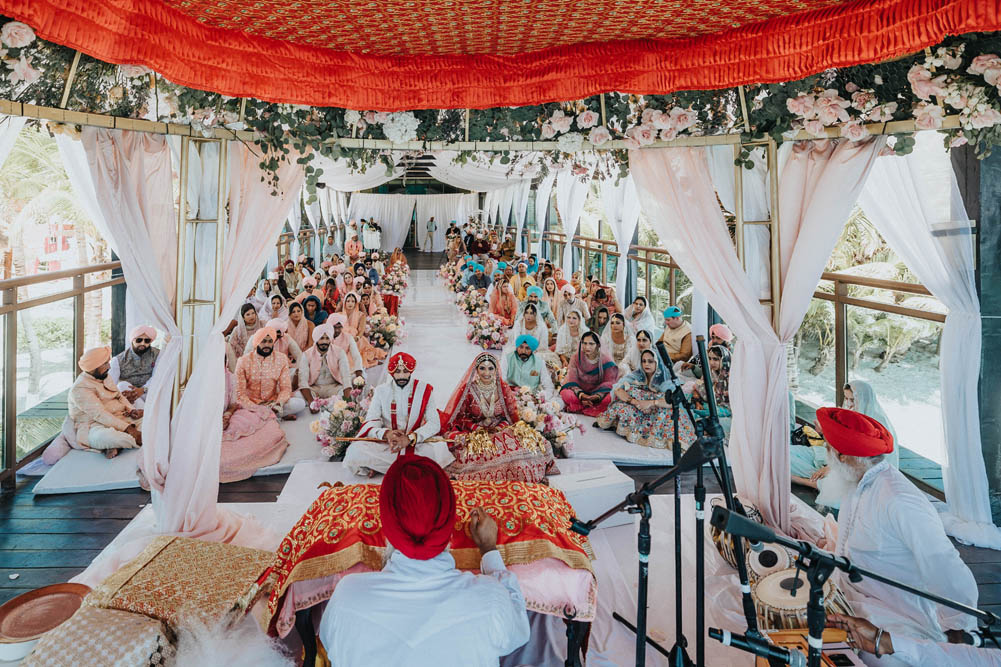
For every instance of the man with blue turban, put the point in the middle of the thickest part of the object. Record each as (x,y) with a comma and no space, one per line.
(523,368)
(534,297)
(479,279)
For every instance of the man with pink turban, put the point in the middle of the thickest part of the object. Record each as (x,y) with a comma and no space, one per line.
(264,377)
(324,371)
(132,368)
(346,342)
(420,609)
(99,416)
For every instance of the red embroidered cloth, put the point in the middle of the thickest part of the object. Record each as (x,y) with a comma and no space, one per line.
(392,303)
(342,529)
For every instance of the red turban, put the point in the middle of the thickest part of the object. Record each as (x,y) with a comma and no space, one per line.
(417,506)
(853,433)
(409,363)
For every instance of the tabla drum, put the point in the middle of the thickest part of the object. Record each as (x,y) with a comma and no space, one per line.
(771,558)
(723,540)
(779,609)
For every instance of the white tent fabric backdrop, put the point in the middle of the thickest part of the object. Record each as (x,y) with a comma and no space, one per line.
(444,208)
(622,208)
(394,213)
(904,200)
(571,193)
(337,174)
(10,128)
(543,197)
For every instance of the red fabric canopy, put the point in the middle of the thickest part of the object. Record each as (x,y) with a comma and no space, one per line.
(421,54)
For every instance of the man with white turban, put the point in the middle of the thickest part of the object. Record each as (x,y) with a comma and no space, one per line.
(570,302)
(263,377)
(324,371)
(132,368)
(100,417)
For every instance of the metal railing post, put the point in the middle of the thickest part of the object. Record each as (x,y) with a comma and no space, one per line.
(840,342)
(78,322)
(10,387)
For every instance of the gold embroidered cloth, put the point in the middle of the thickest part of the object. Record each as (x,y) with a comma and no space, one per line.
(95,636)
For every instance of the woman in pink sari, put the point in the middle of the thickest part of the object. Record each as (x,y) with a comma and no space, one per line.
(251,437)
(588,389)
(503,304)
(491,443)
(300,329)
(355,327)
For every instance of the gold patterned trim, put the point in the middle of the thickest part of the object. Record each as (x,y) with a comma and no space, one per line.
(102,595)
(335,563)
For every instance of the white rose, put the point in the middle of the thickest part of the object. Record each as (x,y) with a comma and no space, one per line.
(17,35)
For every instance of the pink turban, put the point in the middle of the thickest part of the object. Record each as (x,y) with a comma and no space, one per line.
(142,330)
(326,264)
(335,318)
(302,258)
(309,282)
(568,289)
(94,358)
(324,329)
(277,325)
(261,334)
(722,332)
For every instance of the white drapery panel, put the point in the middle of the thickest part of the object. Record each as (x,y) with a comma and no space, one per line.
(314,215)
(906,201)
(481,176)
(75,163)
(337,174)
(571,193)
(394,213)
(444,208)
(622,208)
(10,128)
(521,211)
(543,197)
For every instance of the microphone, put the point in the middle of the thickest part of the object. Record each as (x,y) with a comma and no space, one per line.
(976,638)
(740,526)
(759,647)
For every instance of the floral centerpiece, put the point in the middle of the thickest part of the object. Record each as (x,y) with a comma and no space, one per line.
(394,281)
(472,303)
(487,331)
(547,417)
(341,417)
(384,330)
(450,274)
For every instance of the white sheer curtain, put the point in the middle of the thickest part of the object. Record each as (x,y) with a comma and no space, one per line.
(337,174)
(622,208)
(444,208)
(571,193)
(481,176)
(314,215)
(521,211)
(543,197)
(394,213)
(910,199)
(74,159)
(10,128)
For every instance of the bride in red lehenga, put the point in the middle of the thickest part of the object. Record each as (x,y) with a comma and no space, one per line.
(491,443)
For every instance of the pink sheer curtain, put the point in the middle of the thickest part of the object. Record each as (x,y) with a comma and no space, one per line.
(819,183)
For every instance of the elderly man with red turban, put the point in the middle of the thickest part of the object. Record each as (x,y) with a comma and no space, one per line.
(420,610)
(888,526)
(132,368)
(263,377)
(99,416)
(402,413)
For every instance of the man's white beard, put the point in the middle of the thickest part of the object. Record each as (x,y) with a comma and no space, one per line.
(839,483)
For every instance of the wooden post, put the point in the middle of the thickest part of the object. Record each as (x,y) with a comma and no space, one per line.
(840,342)
(78,321)
(743,109)
(10,388)
(69,81)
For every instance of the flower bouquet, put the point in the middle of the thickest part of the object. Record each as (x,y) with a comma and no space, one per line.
(487,331)
(548,418)
(452,276)
(472,303)
(340,418)
(394,282)
(384,330)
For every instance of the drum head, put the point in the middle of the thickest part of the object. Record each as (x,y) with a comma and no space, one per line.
(777,590)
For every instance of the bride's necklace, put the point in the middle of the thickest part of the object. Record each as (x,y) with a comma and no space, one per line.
(486,397)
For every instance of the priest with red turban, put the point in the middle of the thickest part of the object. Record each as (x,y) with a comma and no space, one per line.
(402,413)
(420,610)
(888,526)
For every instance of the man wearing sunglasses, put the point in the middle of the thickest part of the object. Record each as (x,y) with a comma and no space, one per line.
(132,368)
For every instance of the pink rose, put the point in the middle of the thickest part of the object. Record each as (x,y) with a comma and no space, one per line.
(863,99)
(647,116)
(851,86)
(830,107)
(922,83)
(23,71)
(598,135)
(17,35)
(669,134)
(561,121)
(587,119)
(815,127)
(659,120)
(631,141)
(854,131)
(643,134)
(134,71)
(980,65)
(548,130)
(802,105)
(986,118)
(957,141)
(682,119)
(928,116)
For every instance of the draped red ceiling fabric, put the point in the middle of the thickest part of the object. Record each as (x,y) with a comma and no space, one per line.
(425,54)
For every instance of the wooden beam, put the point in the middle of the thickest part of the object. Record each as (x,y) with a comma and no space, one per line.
(69,80)
(743,109)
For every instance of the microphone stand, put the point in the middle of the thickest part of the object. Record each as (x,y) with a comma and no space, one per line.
(820,565)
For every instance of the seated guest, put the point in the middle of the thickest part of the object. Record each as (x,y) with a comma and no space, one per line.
(262,298)
(482,420)
(534,296)
(639,411)
(529,323)
(568,338)
(569,301)
(325,370)
(346,343)
(101,417)
(720,334)
(420,610)
(245,329)
(521,282)
(370,271)
(638,315)
(331,295)
(275,308)
(289,280)
(551,295)
(480,247)
(558,276)
(603,297)
(300,329)
(599,320)
(355,323)
(402,413)
(590,378)
(283,345)
(525,369)
(677,335)
(263,377)
(502,302)
(309,287)
(619,342)
(644,341)
(507,248)
(353,249)
(251,437)
(329,248)
(533,265)
(367,304)
(132,368)
(887,525)
(478,280)
(719,367)
(313,310)
(377,264)
(495,279)
(809,464)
